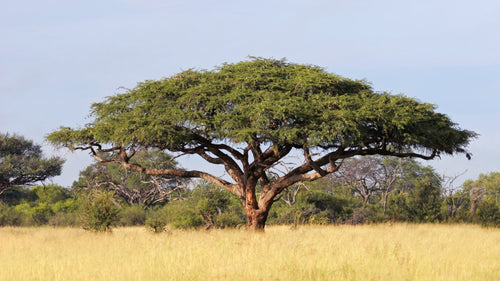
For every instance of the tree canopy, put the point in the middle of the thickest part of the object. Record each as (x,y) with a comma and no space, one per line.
(248,116)
(22,162)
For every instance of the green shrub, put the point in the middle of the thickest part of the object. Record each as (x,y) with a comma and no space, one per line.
(50,193)
(66,206)
(132,215)
(41,214)
(65,219)
(321,218)
(9,216)
(156,219)
(156,224)
(181,214)
(230,218)
(99,211)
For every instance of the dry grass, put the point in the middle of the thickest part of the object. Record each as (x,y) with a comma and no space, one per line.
(372,252)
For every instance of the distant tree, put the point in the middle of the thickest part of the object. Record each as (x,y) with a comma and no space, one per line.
(249,116)
(489,183)
(370,175)
(22,163)
(132,186)
(419,195)
(51,193)
(289,194)
(360,174)
(39,205)
(484,193)
(455,196)
(424,202)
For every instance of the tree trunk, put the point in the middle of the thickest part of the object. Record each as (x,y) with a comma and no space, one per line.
(385,195)
(256,219)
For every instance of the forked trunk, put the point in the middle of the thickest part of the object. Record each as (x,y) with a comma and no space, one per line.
(256,219)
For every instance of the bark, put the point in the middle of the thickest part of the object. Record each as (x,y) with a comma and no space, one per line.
(256,219)
(385,196)
(476,195)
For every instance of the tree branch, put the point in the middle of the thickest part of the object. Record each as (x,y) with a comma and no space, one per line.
(313,164)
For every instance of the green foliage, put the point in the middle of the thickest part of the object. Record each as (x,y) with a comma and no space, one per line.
(132,215)
(41,214)
(418,195)
(417,199)
(489,184)
(424,202)
(22,162)
(313,206)
(69,205)
(99,211)
(17,195)
(156,224)
(484,198)
(206,205)
(271,100)
(220,207)
(9,215)
(488,213)
(51,193)
(320,200)
(181,214)
(65,219)
(40,205)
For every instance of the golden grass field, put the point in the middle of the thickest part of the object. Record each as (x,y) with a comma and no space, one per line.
(369,252)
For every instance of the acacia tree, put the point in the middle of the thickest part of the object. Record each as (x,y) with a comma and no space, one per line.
(250,115)
(22,162)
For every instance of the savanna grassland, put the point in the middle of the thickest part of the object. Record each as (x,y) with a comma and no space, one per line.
(369,252)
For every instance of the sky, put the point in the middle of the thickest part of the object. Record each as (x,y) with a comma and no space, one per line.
(57,57)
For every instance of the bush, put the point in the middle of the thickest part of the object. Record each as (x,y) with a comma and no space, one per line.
(132,215)
(41,214)
(9,216)
(156,219)
(99,211)
(156,224)
(65,219)
(50,193)
(181,214)
(205,205)
(321,218)
(66,206)
(230,218)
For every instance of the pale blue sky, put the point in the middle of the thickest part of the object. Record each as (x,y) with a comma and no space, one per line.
(59,56)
